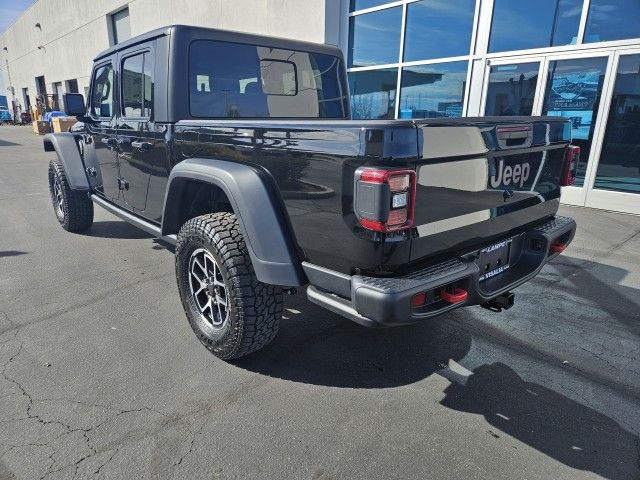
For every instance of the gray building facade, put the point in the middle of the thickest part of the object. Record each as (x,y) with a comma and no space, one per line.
(578,59)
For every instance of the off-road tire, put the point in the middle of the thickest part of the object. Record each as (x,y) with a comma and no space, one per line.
(254,308)
(76,212)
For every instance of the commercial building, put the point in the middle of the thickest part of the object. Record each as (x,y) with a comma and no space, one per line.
(578,59)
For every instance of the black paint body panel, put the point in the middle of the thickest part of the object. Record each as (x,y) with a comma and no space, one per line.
(459,205)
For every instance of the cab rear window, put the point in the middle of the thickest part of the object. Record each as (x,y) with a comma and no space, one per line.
(233,80)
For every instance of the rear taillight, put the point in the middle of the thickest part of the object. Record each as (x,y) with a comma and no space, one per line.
(570,165)
(384,200)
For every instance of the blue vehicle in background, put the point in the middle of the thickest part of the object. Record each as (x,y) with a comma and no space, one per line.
(5,114)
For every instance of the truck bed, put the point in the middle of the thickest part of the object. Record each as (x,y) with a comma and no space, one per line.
(313,163)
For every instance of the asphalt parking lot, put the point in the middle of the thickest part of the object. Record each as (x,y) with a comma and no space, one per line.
(102,376)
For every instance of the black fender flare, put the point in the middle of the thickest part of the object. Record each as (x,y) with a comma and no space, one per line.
(66,147)
(257,206)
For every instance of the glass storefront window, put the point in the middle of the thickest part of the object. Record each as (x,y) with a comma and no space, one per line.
(374,38)
(612,20)
(619,166)
(373,93)
(512,89)
(430,91)
(438,28)
(362,4)
(573,91)
(523,24)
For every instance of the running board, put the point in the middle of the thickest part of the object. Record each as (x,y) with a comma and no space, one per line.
(134,220)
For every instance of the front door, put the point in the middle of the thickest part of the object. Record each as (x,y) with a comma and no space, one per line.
(101,126)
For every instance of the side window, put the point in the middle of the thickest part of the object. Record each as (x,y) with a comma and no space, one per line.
(137,85)
(228,80)
(102,92)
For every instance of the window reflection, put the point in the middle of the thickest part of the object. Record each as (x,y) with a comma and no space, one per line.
(374,38)
(573,91)
(102,92)
(619,166)
(612,20)
(438,28)
(512,89)
(362,4)
(148,84)
(132,86)
(523,24)
(373,93)
(235,80)
(430,91)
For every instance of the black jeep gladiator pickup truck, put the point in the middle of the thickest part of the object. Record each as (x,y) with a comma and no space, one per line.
(241,151)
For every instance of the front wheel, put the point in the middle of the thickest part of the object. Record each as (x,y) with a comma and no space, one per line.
(231,312)
(73,209)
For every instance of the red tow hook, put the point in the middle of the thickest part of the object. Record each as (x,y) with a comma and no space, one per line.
(459,295)
(557,247)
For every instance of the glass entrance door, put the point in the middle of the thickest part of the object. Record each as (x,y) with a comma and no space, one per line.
(573,90)
(571,86)
(615,182)
(511,87)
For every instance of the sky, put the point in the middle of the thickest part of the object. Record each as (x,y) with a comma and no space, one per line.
(10,10)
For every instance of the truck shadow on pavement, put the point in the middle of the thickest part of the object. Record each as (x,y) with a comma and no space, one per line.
(116,229)
(553,424)
(321,348)
(338,354)
(11,253)
(318,347)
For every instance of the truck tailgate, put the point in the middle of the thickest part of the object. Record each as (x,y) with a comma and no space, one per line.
(480,179)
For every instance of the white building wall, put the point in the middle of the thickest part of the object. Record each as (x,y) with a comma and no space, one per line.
(73,32)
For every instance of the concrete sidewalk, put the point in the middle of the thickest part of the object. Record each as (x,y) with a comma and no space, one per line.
(103,378)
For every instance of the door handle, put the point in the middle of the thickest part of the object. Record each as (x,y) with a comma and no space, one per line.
(142,146)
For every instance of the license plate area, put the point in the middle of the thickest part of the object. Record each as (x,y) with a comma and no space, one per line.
(495,259)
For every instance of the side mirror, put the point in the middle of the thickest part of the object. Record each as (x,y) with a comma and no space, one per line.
(74,105)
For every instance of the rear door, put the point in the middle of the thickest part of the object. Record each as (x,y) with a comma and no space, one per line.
(136,132)
(479,180)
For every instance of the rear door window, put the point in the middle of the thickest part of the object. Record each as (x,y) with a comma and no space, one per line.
(102,92)
(137,85)
(233,80)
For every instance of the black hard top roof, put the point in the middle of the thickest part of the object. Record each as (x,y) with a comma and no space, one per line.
(224,35)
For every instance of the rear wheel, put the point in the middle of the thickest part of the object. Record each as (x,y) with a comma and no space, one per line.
(73,209)
(231,312)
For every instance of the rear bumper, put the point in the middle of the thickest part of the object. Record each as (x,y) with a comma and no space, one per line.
(381,302)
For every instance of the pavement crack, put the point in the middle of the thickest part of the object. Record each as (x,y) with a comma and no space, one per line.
(599,357)
(90,301)
(191,444)
(92,449)
(624,241)
(11,327)
(97,471)
(27,395)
